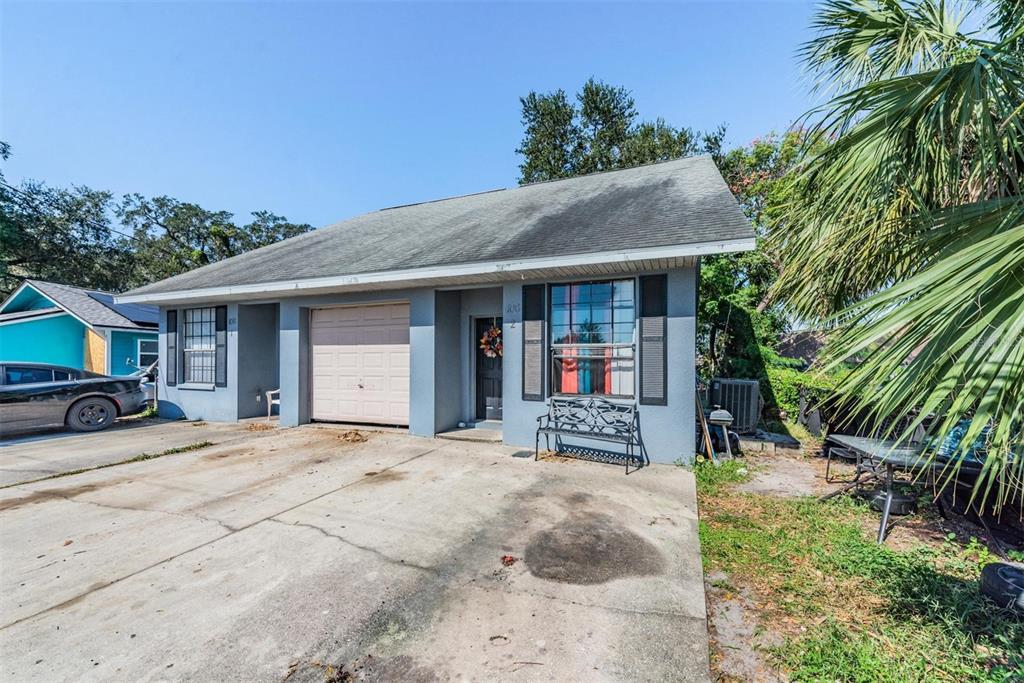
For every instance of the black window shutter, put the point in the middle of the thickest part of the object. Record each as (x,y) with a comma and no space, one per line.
(171,359)
(653,340)
(533,342)
(221,368)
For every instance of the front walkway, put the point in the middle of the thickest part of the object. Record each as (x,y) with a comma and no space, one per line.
(308,551)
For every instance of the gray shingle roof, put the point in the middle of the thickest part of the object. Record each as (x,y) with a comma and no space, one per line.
(89,306)
(678,202)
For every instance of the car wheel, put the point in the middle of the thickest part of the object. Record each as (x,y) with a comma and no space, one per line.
(1004,583)
(92,414)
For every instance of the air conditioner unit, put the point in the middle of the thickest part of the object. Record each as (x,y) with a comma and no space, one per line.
(741,397)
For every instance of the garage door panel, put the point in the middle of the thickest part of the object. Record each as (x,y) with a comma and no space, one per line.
(361,364)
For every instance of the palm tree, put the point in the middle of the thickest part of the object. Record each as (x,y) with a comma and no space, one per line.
(908,240)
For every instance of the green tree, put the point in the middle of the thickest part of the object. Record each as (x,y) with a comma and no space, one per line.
(738,324)
(908,239)
(600,131)
(171,237)
(83,237)
(59,235)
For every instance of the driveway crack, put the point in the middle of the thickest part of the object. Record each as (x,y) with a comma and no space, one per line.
(387,558)
(181,515)
(80,596)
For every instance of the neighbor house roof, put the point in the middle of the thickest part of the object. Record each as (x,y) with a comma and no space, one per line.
(92,307)
(674,208)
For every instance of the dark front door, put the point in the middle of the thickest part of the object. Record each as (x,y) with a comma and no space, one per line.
(488,374)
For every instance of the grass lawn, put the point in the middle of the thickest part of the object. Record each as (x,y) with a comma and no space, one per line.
(836,606)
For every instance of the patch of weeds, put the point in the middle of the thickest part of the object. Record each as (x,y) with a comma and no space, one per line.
(171,451)
(849,609)
(150,411)
(713,477)
(138,458)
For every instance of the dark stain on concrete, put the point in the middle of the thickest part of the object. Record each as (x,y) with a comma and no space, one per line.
(228,453)
(589,548)
(384,477)
(52,494)
(578,498)
(385,669)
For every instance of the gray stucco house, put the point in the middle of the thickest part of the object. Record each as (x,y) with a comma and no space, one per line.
(589,284)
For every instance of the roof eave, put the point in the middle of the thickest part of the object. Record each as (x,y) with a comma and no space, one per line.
(411,276)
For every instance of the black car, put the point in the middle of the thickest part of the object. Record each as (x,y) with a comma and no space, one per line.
(37,395)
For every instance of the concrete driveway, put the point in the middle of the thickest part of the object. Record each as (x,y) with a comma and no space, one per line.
(29,457)
(299,554)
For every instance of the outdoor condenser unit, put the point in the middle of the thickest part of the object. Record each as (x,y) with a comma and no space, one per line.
(741,397)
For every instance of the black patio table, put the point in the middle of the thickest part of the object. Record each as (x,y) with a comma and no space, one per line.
(894,457)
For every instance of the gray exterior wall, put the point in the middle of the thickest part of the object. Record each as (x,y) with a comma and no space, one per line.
(294,352)
(667,431)
(442,362)
(217,404)
(476,303)
(257,358)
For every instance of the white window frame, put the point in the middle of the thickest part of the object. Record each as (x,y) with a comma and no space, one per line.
(188,351)
(621,352)
(139,352)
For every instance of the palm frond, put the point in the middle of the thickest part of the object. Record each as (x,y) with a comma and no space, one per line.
(907,238)
(950,339)
(859,41)
(901,146)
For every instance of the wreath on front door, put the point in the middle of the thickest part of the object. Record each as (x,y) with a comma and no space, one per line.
(490,343)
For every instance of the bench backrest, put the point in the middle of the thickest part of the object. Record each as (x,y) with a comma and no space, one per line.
(592,415)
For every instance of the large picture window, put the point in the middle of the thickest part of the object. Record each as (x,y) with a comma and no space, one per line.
(200,346)
(592,347)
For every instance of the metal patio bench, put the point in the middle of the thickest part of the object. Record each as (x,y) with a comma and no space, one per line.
(590,418)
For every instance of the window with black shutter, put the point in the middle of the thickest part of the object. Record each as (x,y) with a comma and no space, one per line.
(533,342)
(653,339)
(204,346)
(171,360)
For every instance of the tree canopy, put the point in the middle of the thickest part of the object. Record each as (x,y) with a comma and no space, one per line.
(86,238)
(598,131)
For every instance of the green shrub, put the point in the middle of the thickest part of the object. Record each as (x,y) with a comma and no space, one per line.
(781,388)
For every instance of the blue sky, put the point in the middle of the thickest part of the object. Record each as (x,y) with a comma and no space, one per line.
(320,111)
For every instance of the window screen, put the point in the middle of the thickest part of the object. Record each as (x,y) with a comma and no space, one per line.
(592,348)
(200,345)
(147,353)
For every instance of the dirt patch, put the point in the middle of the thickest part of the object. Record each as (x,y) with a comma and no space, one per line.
(591,548)
(353,436)
(737,638)
(384,477)
(231,452)
(51,494)
(259,427)
(400,668)
(783,476)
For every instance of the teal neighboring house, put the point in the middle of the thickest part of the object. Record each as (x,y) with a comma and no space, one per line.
(44,322)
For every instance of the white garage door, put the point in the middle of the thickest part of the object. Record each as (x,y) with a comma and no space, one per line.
(361,364)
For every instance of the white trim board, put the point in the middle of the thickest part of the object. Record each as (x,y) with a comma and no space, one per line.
(33,318)
(507,269)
